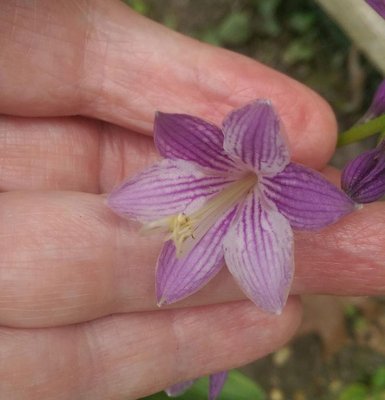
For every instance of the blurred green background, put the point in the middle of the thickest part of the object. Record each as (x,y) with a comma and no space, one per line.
(339,352)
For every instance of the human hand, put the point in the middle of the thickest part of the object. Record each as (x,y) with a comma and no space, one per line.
(77,301)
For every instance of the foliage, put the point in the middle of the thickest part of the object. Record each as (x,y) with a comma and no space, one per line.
(374,389)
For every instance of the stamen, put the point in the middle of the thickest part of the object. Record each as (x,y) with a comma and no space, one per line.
(186,230)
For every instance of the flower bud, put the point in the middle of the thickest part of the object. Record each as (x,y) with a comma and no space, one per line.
(363,179)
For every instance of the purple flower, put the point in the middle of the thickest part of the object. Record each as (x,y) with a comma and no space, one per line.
(215,386)
(377,106)
(363,179)
(230,195)
(378,5)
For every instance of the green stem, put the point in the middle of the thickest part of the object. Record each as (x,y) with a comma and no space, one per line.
(362,131)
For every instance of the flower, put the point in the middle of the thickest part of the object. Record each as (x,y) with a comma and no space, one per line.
(378,5)
(216,382)
(363,179)
(377,107)
(230,195)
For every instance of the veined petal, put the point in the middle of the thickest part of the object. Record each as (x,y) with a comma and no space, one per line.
(378,5)
(253,135)
(216,384)
(177,278)
(363,179)
(259,253)
(179,388)
(164,189)
(181,136)
(306,198)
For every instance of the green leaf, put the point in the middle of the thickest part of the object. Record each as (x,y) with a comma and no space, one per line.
(140,6)
(298,51)
(210,36)
(238,387)
(378,396)
(170,20)
(378,380)
(356,391)
(267,10)
(236,28)
(301,22)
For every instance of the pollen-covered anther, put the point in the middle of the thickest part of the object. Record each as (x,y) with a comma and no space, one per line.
(186,230)
(181,228)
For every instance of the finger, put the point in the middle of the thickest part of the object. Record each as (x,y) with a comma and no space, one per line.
(130,356)
(49,153)
(103,60)
(78,261)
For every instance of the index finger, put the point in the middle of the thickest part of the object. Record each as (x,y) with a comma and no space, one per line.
(100,59)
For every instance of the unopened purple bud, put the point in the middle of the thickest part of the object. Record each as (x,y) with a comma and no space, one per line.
(363,179)
(378,5)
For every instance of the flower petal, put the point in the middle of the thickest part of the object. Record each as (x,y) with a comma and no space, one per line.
(164,189)
(179,388)
(378,5)
(181,136)
(306,198)
(253,135)
(177,278)
(363,179)
(259,253)
(216,384)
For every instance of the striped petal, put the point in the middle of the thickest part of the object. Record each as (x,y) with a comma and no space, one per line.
(259,253)
(306,198)
(177,278)
(166,188)
(253,136)
(181,136)
(216,384)
(179,388)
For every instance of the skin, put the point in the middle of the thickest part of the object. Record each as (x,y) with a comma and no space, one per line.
(80,82)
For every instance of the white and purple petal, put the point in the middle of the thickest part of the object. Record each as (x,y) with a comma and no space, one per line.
(177,278)
(306,198)
(216,383)
(253,136)
(259,253)
(165,189)
(184,137)
(179,388)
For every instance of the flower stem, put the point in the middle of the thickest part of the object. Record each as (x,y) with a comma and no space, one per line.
(362,131)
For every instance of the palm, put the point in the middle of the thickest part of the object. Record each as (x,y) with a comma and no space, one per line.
(65,258)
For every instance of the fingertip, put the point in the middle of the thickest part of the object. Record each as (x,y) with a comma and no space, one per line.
(315,130)
(234,80)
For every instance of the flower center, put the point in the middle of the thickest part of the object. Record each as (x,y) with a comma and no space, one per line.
(186,230)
